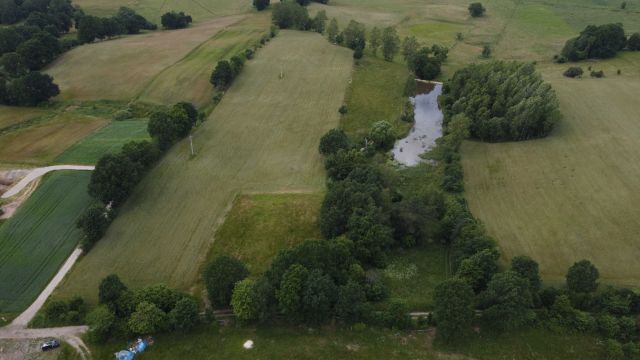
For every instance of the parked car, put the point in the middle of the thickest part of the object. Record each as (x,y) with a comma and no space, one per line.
(50,345)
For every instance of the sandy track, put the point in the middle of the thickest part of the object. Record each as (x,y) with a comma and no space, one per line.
(38,172)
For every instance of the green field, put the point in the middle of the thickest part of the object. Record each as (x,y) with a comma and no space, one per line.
(262,137)
(108,139)
(39,237)
(258,226)
(572,195)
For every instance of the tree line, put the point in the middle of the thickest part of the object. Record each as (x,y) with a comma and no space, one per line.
(116,175)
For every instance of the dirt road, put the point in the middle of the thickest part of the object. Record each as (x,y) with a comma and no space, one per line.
(38,172)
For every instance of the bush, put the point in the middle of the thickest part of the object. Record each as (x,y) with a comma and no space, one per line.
(184,316)
(453,308)
(343,109)
(476,9)
(174,20)
(503,101)
(383,135)
(290,15)
(596,42)
(426,63)
(332,141)
(101,322)
(261,4)
(94,223)
(147,319)
(396,316)
(221,276)
(633,43)
(574,71)
(582,277)
(597,74)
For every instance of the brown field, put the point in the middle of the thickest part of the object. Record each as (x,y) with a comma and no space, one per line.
(120,69)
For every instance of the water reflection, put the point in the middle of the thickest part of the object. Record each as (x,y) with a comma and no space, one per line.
(426,129)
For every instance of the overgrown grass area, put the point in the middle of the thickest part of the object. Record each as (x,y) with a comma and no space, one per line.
(534,343)
(10,115)
(572,195)
(412,275)
(108,139)
(258,139)
(39,237)
(40,140)
(258,226)
(376,93)
(120,69)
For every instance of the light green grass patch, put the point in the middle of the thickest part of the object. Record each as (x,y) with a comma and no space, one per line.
(108,139)
(258,226)
(443,33)
(263,137)
(39,237)
(376,93)
(411,275)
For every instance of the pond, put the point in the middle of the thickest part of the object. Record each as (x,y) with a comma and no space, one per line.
(426,129)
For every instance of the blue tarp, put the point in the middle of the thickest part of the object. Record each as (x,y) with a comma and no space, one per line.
(124,355)
(138,347)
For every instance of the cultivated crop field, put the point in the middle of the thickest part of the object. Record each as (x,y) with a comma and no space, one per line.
(262,137)
(572,195)
(39,237)
(108,139)
(120,69)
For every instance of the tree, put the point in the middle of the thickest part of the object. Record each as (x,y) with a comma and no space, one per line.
(94,223)
(318,297)
(479,269)
(159,295)
(319,22)
(39,50)
(599,42)
(147,319)
(332,30)
(426,62)
(573,71)
(507,301)
(237,63)
(261,4)
(486,51)
(633,43)
(101,321)
(13,64)
(89,29)
(453,302)
(390,43)
(173,20)
(110,290)
(383,135)
(290,292)
(527,268)
(375,40)
(221,276)
(9,39)
(332,141)
(623,5)
(132,22)
(31,89)
(143,153)
(355,35)
(166,127)
(476,9)
(290,14)
(184,316)
(350,302)
(410,46)
(113,179)
(582,277)
(244,302)
(222,75)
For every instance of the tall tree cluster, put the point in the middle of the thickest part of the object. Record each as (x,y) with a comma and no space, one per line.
(503,101)
(596,42)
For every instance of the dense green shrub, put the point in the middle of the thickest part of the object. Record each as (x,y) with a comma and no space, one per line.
(476,9)
(332,141)
(574,71)
(582,277)
(503,101)
(290,15)
(175,20)
(633,43)
(453,302)
(507,302)
(426,62)
(596,42)
(221,275)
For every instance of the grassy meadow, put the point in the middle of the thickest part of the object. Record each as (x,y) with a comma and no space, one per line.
(39,237)
(120,69)
(258,226)
(258,139)
(108,139)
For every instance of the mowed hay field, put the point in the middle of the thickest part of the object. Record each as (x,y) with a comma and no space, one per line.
(188,79)
(39,140)
(120,69)
(573,195)
(262,137)
(39,237)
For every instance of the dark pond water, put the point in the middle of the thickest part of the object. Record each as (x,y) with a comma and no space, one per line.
(426,129)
